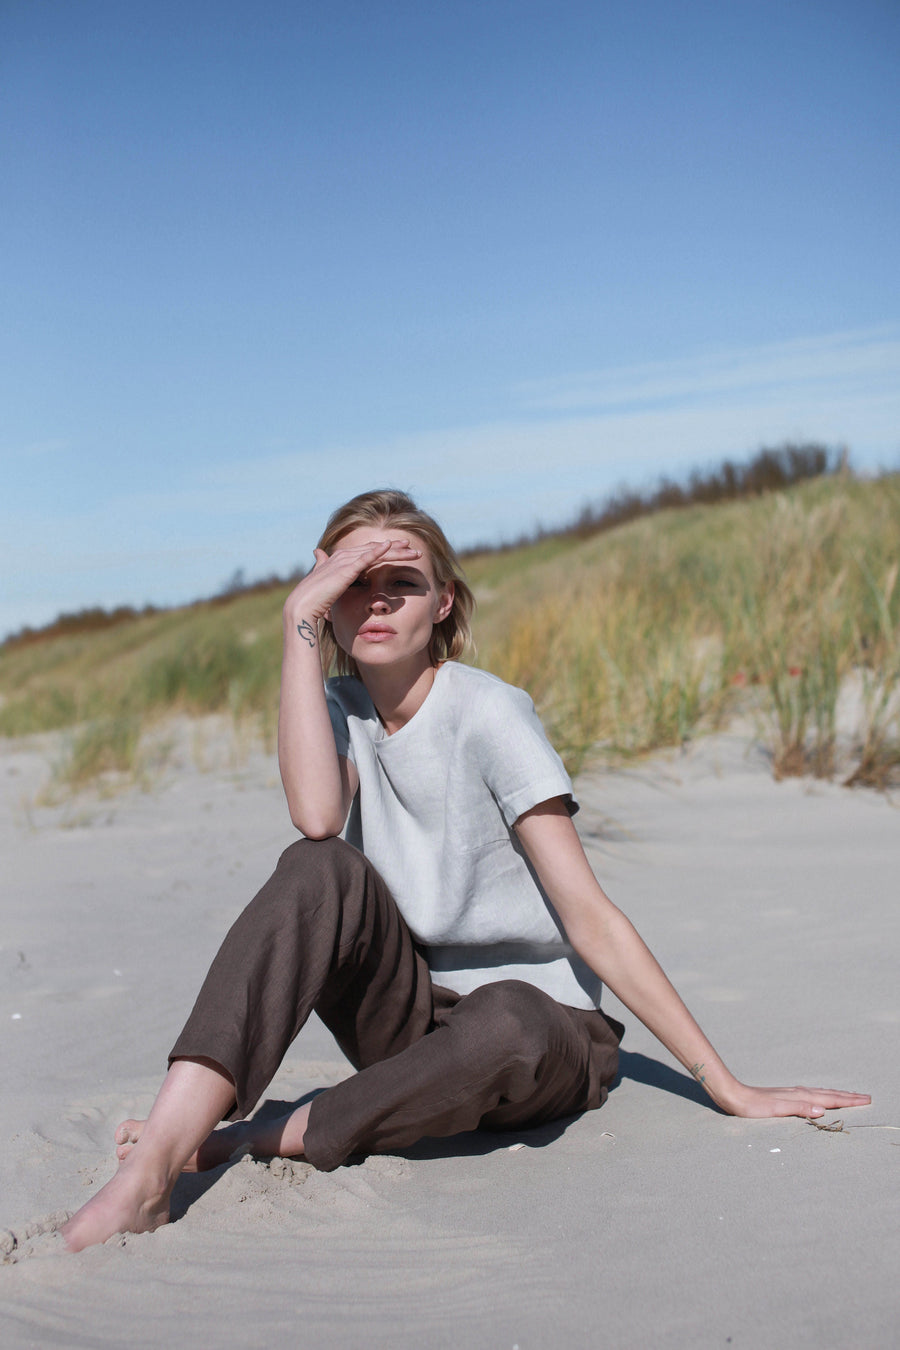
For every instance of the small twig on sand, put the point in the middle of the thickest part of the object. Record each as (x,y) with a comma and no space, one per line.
(838,1127)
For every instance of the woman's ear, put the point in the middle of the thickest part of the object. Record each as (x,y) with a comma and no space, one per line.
(445,602)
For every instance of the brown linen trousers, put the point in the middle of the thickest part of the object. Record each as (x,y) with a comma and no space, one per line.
(324,934)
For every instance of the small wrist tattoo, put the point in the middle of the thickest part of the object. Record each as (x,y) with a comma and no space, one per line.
(698,1073)
(307,632)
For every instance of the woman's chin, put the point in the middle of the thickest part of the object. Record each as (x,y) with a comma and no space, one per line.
(374,654)
(378,655)
(364,649)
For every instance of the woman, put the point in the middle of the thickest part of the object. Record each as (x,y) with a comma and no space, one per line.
(457,953)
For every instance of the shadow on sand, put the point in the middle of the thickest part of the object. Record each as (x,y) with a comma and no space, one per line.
(473,1144)
(643,1069)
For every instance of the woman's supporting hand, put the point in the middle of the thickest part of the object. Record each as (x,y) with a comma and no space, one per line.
(758,1102)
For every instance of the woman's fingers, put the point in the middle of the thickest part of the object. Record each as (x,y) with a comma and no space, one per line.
(345,565)
(361,556)
(334,572)
(797,1101)
(379,548)
(351,563)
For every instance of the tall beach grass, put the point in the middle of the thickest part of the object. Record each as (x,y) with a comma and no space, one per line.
(662,628)
(112,687)
(785,606)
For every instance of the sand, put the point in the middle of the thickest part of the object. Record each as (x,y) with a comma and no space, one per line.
(655,1222)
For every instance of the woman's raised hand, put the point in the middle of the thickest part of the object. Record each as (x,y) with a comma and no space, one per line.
(333,573)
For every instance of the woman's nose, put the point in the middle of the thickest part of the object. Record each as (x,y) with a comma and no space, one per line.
(379,603)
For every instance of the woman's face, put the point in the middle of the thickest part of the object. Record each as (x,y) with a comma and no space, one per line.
(387,615)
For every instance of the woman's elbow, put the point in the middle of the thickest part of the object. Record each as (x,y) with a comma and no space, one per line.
(316,826)
(319,833)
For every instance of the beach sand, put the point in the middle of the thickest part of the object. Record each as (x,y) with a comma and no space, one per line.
(655,1222)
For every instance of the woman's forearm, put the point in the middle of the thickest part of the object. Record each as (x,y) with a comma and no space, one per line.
(315,784)
(318,783)
(624,962)
(609,943)
(611,946)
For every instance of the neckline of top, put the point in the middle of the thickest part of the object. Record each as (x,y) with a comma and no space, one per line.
(429,701)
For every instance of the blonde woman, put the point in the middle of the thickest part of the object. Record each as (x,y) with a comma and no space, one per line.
(455,940)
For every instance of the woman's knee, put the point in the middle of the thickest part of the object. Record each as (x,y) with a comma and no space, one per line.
(316,863)
(511,1014)
(311,876)
(308,849)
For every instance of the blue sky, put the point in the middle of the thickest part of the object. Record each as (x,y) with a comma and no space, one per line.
(258,257)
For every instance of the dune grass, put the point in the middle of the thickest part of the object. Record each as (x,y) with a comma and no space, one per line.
(637,638)
(112,687)
(649,634)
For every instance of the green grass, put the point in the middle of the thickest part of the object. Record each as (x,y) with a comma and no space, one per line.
(634,639)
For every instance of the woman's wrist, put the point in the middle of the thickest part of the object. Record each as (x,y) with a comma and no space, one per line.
(301,611)
(301,626)
(305,603)
(720,1084)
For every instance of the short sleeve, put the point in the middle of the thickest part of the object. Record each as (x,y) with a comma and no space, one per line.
(339,726)
(515,758)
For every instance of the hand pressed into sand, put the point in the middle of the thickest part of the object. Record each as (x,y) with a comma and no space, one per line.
(767,1102)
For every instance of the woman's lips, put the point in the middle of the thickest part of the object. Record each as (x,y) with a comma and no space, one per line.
(380,634)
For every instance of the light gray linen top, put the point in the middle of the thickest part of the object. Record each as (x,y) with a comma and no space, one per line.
(434,812)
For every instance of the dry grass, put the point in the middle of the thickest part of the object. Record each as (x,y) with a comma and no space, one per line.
(638,638)
(111,689)
(644,637)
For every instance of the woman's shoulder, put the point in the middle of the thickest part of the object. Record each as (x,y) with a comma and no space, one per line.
(350,695)
(472,678)
(496,724)
(479,689)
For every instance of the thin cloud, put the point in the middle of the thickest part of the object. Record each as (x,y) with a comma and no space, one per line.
(855,360)
(484,482)
(642,420)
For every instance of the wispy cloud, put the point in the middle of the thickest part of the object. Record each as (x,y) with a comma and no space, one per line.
(572,440)
(855,361)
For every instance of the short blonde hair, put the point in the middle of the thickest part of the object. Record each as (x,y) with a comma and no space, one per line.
(393,510)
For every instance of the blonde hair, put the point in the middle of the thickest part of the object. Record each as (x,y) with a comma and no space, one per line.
(388,509)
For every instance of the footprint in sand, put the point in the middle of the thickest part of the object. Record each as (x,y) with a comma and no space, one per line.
(41,1237)
(289,1170)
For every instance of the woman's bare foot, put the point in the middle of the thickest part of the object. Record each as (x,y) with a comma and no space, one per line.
(132,1202)
(195,1094)
(216,1149)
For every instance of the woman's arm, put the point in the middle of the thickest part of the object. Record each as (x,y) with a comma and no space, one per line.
(611,946)
(319,784)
